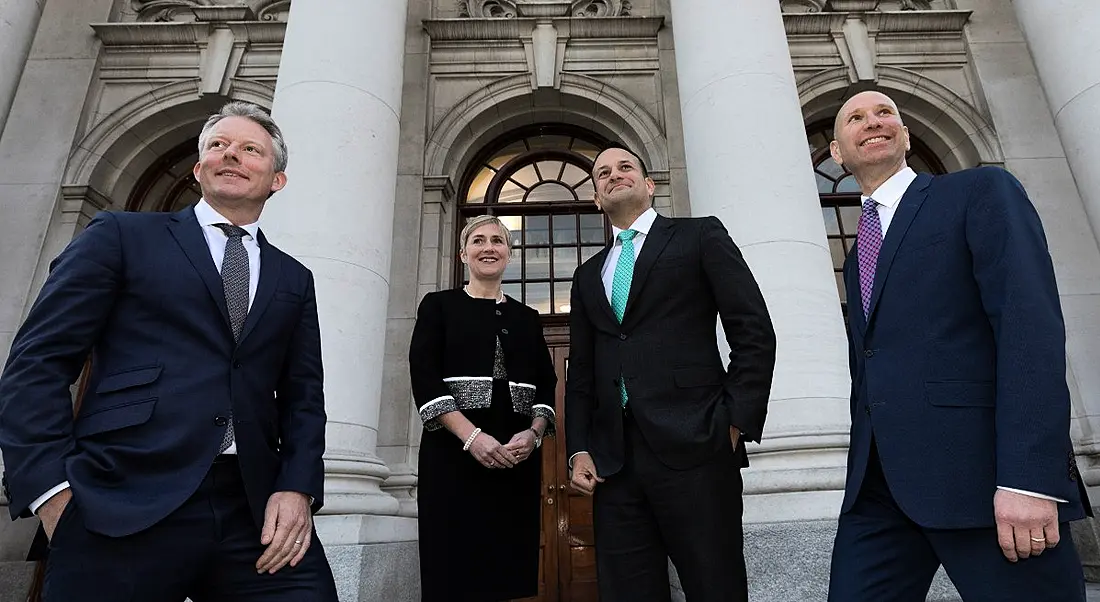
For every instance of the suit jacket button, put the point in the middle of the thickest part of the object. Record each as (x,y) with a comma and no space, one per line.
(498,312)
(237,365)
(503,331)
(867,410)
(220,421)
(868,353)
(622,336)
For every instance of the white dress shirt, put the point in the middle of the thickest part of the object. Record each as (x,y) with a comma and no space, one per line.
(887,196)
(215,240)
(642,226)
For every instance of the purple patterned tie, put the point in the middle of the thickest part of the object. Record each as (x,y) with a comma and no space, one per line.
(868,243)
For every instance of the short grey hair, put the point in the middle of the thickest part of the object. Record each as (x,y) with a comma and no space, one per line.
(248,110)
(480,221)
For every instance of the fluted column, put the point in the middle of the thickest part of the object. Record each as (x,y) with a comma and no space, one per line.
(748,165)
(1062,37)
(338,99)
(18,22)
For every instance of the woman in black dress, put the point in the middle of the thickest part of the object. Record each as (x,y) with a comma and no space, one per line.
(483,381)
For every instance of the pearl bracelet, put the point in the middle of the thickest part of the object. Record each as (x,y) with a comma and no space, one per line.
(470,440)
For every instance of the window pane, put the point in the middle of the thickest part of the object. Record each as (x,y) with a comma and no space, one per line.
(510,193)
(526,176)
(513,290)
(537,231)
(830,168)
(573,175)
(515,262)
(849,243)
(584,148)
(848,184)
(476,193)
(565,262)
(836,249)
(824,185)
(549,170)
(849,219)
(537,262)
(592,228)
(817,140)
(510,152)
(514,223)
(840,287)
(832,226)
(565,229)
(585,191)
(550,192)
(588,252)
(538,296)
(561,296)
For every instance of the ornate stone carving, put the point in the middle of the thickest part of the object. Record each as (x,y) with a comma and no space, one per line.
(916,5)
(488,9)
(181,10)
(802,6)
(507,9)
(601,8)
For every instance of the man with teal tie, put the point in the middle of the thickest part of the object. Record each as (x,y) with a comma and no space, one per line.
(655,424)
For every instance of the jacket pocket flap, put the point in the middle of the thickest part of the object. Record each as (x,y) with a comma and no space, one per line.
(114,418)
(696,377)
(129,378)
(960,393)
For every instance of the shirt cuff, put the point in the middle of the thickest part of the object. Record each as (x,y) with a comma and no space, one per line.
(1033,494)
(45,497)
(570,463)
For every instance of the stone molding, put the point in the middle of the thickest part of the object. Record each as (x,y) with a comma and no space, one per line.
(447,30)
(510,9)
(163,11)
(938,21)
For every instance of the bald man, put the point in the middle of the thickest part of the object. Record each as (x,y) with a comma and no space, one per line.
(960,452)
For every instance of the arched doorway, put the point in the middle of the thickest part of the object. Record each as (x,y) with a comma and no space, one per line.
(169,183)
(537,180)
(840,197)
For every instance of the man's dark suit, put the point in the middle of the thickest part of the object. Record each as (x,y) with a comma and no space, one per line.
(682,402)
(142,293)
(958,387)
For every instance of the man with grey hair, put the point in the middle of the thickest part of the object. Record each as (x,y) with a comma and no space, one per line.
(193,465)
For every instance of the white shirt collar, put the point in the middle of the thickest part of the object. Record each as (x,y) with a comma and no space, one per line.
(640,225)
(891,191)
(208,216)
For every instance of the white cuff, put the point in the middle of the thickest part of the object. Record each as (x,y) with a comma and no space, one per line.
(570,463)
(45,497)
(1033,494)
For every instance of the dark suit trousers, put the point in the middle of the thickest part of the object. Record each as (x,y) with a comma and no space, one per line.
(206,550)
(882,556)
(648,513)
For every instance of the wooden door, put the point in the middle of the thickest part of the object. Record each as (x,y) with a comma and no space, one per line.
(567,559)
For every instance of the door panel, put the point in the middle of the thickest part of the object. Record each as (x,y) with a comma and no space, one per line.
(567,567)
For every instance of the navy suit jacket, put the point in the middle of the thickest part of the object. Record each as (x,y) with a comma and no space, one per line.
(140,291)
(959,370)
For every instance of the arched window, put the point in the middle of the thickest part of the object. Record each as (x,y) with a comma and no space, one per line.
(169,183)
(537,181)
(840,196)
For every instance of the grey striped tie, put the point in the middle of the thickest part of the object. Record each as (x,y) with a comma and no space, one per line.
(235,281)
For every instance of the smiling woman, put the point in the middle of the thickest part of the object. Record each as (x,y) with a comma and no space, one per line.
(537,182)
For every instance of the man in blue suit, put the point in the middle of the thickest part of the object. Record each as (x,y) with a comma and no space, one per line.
(960,452)
(195,462)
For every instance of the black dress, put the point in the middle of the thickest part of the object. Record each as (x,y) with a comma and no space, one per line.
(478,526)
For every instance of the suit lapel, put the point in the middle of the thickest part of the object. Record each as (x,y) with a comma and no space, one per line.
(908,207)
(265,289)
(659,235)
(592,281)
(185,228)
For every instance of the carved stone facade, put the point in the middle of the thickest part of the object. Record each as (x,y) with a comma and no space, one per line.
(138,77)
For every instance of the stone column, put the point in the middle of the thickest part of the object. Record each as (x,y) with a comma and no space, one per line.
(748,165)
(18,22)
(1062,37)
(338,100)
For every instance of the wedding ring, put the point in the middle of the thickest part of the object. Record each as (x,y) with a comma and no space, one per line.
(1038,539)
(298,542)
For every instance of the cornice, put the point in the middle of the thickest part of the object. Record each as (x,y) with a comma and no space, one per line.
(465,29)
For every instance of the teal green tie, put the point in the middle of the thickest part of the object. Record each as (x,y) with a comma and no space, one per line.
(620,286)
